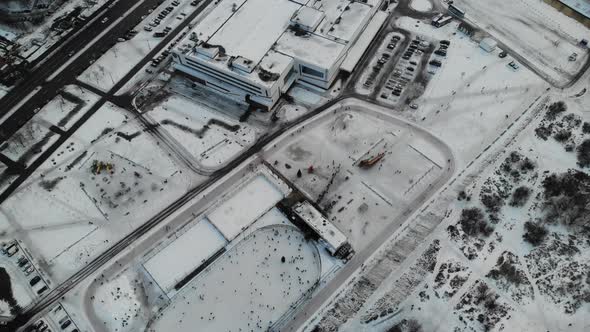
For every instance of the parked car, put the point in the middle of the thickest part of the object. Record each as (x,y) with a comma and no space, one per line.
(104,20)
(513,65)
(445,42)
(147,28)
(391,46)
(440,52)
(42,290)
(35,280)
(573,57)
(435,63)
(66,324)
(503,54)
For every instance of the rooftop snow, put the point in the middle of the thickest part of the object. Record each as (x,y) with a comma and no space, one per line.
(253,29)
(186,253)
(363,42)
(309,18)
(245,205)
(350,21)
(216,18)
(311,49)
(581,6)
(320,224)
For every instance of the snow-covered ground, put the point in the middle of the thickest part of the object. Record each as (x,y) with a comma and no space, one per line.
(501,281)
(250,287)
(535,30)
(79,214)
(361,202)
(126,297)
(210,135)
(474,96)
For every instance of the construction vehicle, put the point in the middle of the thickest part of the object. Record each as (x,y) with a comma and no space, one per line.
(370,162)
(99,166)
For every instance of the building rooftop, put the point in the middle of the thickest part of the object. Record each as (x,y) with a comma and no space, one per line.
(580,6)
(254,28)
(311,49)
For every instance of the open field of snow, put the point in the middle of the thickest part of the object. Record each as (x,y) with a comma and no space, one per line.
(78,213)
(69,106)
(537,31)
(360,201)
(246,288)
(474,96)
(186,252)
(238,210)
(209,135)
(28,142)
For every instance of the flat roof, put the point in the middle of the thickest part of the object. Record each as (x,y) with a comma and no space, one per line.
(580,6)
(363,42)
(328,231)
(312,49)
(254,28)
(185,254)
(242,207)
(350,21)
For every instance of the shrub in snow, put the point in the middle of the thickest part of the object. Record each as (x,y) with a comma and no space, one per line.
(473,222)
(555,109)
(567,198)
(492,201)
(562,135)
(520,196)
(534,233)
(584,154)
(586,128)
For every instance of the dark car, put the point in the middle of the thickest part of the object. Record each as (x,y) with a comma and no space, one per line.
(34,281)
(39,292)
(445,42)
(66,324)
(440,52)
(435,63)
(503,54)
(443,47)
(391,46)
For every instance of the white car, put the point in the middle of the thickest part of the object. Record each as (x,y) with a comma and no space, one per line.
(104,20)
(147,28)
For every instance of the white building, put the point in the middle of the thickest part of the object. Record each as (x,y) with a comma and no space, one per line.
(331,236)
(488,44)
(253,50)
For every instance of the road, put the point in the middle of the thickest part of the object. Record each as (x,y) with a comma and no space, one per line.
(69,74)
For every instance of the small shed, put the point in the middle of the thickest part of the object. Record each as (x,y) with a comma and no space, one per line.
(488,44)
(466,28)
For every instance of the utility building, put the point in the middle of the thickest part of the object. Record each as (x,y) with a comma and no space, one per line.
(254,50)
